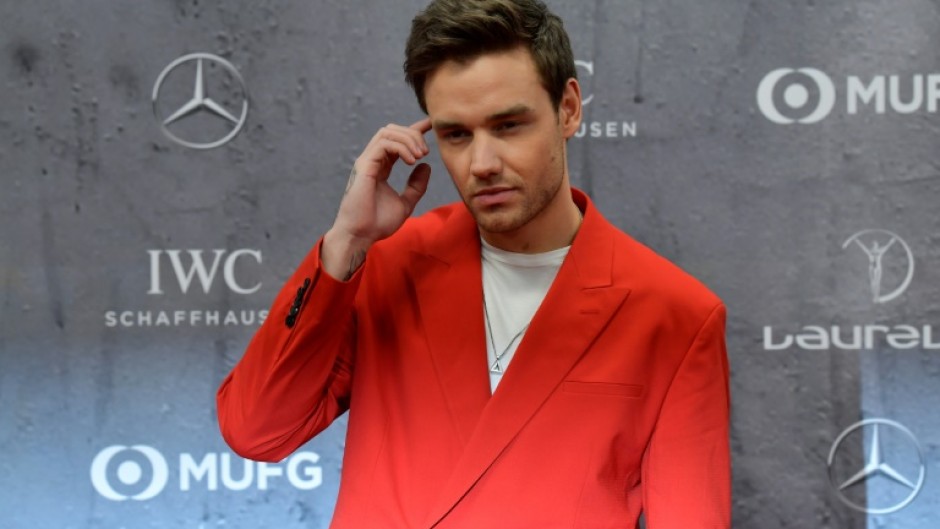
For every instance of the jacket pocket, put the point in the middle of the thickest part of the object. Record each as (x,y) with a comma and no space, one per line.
(630,391)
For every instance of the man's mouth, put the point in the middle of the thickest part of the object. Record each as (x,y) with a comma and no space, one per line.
(493,196)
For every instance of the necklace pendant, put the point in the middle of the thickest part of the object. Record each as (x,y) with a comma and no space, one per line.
(496,369)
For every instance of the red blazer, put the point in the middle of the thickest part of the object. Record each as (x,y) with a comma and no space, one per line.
(616,401)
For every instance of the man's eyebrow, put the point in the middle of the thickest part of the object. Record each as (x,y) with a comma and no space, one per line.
(513,111)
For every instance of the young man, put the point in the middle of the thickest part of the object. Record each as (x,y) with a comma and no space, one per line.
(513,361)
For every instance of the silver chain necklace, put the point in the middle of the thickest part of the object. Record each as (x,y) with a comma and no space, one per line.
(496,368)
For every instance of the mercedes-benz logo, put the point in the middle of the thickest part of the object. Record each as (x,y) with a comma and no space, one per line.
(894,466)
(200,101)
(875,244)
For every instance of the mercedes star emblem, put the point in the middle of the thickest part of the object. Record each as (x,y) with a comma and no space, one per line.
(894,467)
(201,101)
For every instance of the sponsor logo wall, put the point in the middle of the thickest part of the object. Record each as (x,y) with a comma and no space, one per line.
(165,166)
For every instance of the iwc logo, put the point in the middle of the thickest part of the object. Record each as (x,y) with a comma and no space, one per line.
(608,128)
(196,274)
(588,67)
(212,87)
(890,473)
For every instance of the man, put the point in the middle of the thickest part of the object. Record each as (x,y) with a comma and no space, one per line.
(513,361)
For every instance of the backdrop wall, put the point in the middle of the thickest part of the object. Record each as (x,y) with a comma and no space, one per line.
(784,152)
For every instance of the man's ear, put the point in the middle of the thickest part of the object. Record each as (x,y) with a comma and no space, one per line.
(569,108)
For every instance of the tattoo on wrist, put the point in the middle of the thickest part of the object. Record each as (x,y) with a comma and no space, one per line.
(354,263)
(349,183)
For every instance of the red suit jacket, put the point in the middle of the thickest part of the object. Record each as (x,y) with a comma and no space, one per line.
(616,401)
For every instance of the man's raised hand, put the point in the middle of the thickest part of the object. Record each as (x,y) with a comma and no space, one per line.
(371,208)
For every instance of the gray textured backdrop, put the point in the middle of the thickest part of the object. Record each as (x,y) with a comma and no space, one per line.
(677,151)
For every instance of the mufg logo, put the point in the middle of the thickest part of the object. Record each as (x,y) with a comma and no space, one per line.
(809,95)
(141,472)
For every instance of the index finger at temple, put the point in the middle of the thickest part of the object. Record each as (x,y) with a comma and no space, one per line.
(422,126)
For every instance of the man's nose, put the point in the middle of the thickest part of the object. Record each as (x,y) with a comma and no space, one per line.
(485,161)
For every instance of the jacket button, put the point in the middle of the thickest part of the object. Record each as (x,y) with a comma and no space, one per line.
(298,301)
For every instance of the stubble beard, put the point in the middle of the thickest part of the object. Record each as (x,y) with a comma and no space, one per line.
(505,219)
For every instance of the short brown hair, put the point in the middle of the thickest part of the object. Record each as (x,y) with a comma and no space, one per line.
(464,29)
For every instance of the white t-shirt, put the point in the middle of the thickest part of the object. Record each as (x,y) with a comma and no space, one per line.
(514,285)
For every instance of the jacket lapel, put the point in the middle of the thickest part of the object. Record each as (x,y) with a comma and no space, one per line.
(448,281)
(577,307)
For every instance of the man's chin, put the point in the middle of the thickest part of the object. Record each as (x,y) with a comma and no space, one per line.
(496,221)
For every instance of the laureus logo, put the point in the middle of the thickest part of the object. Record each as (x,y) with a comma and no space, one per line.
(884,268)
(878,246)
(788,95)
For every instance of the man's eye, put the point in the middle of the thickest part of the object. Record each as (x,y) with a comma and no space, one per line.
(507,125)
(455,134)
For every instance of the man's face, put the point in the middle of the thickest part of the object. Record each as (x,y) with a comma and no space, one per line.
(502,140)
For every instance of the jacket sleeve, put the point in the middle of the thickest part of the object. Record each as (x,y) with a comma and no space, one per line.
(295,376)
(686,470)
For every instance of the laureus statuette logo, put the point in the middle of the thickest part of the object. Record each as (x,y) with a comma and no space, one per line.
(877,245)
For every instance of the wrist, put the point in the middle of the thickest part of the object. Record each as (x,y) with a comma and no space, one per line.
(342,254)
